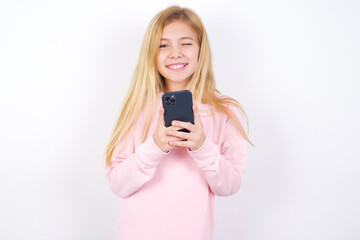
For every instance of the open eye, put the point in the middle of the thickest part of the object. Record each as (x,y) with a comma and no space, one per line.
(163,45)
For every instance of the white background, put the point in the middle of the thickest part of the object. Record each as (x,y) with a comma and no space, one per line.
(294,66)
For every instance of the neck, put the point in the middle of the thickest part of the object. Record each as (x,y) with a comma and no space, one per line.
(172,87)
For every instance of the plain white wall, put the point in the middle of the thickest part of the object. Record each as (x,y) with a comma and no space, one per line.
(294,66)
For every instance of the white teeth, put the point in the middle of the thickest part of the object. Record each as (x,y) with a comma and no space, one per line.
(177,66)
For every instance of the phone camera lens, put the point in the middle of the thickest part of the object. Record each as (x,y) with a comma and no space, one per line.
(167,98)
(167,103)
(172,100)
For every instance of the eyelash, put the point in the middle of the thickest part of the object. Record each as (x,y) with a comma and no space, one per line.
(163,45)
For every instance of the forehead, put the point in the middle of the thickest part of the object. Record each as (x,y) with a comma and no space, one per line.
(177,29)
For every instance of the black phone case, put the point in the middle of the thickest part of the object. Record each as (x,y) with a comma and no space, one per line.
(178,106)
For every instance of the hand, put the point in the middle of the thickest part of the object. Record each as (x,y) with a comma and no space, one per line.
(194,139)
(160,137)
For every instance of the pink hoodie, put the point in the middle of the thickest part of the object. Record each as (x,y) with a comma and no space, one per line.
(170,196)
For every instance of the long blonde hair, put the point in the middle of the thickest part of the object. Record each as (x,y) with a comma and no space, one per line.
(147,82)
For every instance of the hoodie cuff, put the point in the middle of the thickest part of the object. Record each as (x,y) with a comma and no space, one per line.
(149,153)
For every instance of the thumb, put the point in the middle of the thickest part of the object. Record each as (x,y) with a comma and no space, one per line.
(161,120)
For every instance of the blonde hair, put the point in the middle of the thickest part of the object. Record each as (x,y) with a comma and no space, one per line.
(147,82)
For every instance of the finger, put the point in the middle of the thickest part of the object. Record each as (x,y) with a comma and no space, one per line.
(179,134)
(161,120)
(197,119)
(173,128)
(173,138)
(180,143)
(188,125)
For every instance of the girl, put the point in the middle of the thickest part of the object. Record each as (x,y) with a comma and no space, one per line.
(166,186)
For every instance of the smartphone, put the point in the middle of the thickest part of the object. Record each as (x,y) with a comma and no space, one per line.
(178,106)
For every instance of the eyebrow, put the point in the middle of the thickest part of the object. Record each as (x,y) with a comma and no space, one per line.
(179,38)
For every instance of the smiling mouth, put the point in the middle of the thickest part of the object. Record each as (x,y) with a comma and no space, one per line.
(177,67)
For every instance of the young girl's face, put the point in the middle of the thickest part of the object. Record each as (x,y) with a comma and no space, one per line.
(178,55)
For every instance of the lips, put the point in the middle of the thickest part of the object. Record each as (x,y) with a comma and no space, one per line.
(177,66)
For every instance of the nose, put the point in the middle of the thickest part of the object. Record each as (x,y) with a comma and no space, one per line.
(175,52)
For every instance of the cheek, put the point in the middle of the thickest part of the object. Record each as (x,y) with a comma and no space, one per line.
(160,60)
(158,64)
(194,55)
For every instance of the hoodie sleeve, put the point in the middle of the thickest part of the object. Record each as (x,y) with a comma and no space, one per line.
(223,165)
(132,167)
